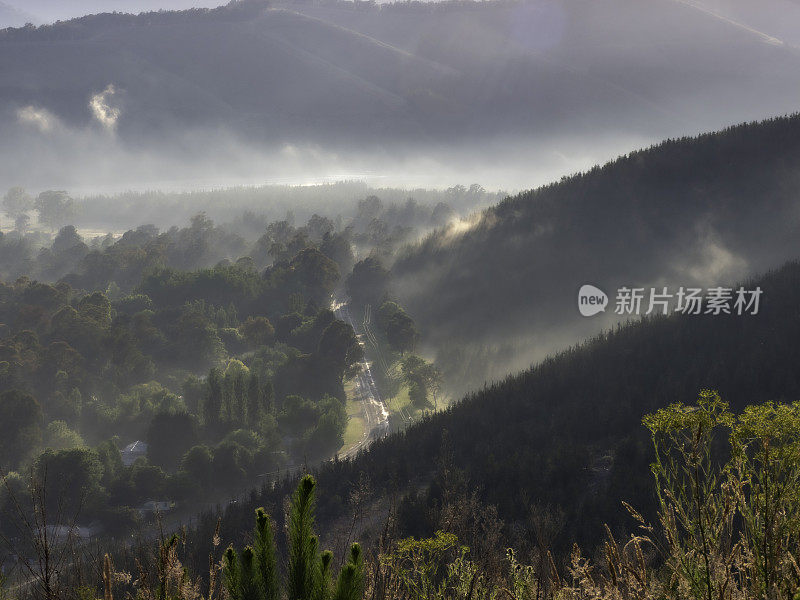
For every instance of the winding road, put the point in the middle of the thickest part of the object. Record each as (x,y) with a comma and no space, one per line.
(375,411)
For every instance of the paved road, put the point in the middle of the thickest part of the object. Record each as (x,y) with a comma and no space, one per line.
(376,414)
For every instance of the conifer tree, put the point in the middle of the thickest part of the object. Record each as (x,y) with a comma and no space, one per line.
(249,588)
(240,399)
(264,543)
(303,559)
(232,574)
(254,407)
(309,573)
(324,587)
(228,397)
(350,584)
(267,396)
(213,399)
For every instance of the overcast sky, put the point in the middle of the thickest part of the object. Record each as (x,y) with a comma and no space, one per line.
(48,11)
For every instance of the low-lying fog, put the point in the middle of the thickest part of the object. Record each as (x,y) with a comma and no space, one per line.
(89,162)
(510,94)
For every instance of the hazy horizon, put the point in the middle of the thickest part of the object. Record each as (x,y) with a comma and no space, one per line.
(515,94)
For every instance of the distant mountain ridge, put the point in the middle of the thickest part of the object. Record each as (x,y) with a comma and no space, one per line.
(48,11)
(404,72)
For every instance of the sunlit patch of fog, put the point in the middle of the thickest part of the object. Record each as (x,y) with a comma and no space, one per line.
(103,109)
(461,225)
(38,118)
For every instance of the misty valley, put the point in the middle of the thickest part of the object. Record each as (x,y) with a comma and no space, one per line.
(448,300)
(186,346)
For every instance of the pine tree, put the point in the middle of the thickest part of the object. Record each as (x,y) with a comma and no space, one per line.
(324,587)
(249,588)
(267,397)
(228,398)
(240,399)
(232,315)
(303,559)
(266,562)
(350,584)
(309,574)
(232,574)
(253,401)
(213,399)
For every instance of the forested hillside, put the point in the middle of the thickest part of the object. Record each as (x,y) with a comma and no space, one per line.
(692,211)
(563,443)
(189,368)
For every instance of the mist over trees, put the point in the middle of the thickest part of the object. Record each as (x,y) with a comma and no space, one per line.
(568,431)
(404,88)
(500,293)
(184,364)
(231,317)
(222,330)
(369,226)
(171,356)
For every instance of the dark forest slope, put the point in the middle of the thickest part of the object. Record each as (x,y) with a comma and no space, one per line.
(567,433)
(706,210)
